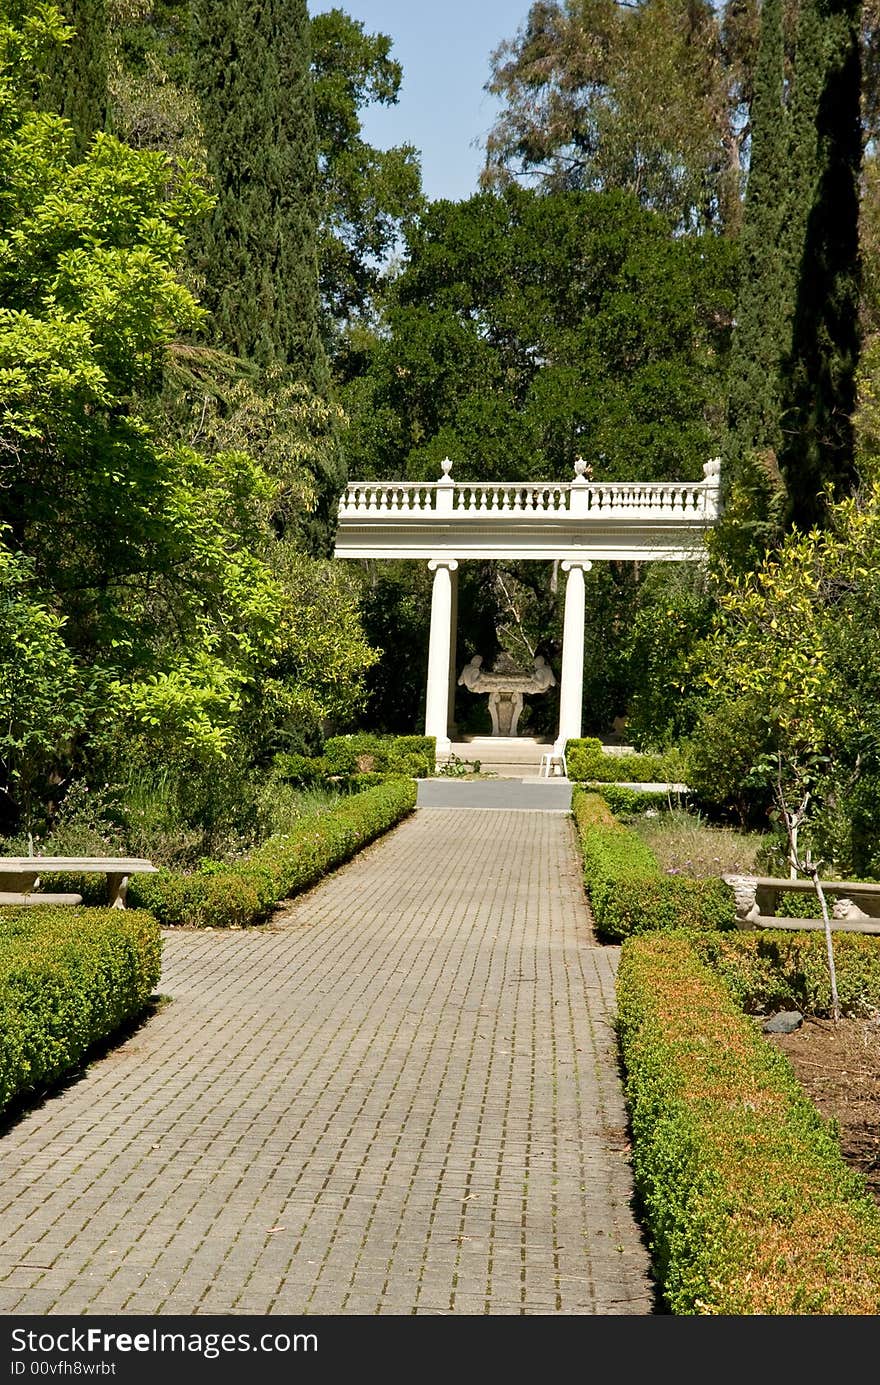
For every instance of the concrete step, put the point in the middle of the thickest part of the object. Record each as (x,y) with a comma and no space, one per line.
(495,751)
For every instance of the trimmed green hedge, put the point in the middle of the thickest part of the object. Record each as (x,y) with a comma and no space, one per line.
(775,970)
(632,801)
(587,760)
(749,1204)
(69,977)
(353,756)
(224,896)
(628,891)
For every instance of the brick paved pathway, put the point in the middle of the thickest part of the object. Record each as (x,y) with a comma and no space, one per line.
(400,1098)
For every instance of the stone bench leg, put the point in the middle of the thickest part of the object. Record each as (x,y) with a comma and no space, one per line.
(117,891)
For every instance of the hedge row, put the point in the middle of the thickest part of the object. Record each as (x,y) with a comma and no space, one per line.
(628,891)
(768,970)
(224,896)
(69,977)
(363,753)
(587,760)
(749,1204)
(621,799)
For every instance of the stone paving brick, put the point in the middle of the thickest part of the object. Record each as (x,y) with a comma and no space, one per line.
(400,1096)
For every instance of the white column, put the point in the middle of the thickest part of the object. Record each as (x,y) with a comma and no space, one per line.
(453,643)
(439,654)
(571,683)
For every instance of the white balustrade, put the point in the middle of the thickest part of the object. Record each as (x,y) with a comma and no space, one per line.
(623,499)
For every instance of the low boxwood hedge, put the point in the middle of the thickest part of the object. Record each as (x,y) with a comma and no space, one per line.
(587,760)
(348,758)
(224,895)
(69,977)
(749,1205)
(632,802)
(627,889)
(776,970)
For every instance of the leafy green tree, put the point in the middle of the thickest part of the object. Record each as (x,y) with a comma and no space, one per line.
(44,697)
(527,329)
(791,685)
(763,316)
(369,197)
(153,563)
(643,97)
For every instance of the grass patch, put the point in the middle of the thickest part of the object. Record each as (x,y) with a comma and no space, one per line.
(684,844)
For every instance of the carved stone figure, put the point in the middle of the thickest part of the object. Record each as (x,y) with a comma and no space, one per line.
(844,908)
(471,673)
(506,684)
(744,890)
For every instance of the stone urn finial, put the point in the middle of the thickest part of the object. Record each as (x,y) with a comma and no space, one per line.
(446,466)
(580,466)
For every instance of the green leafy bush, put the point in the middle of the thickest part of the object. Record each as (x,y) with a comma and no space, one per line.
(300,770)
(69,977)
(223,895)
(622,800)
(627,889)
(363,753)
(587,761)
(771,970)
(749,1204)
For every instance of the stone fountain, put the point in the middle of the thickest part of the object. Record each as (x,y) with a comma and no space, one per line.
(506,684)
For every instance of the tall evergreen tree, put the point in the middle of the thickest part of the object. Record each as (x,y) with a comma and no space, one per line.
(257,253)
(820,372)
(753,425)
(77,85)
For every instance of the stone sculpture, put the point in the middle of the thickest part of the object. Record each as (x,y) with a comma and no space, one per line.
(506,684)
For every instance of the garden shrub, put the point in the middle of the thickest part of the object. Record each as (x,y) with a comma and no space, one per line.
(362,752)
(773,969)
(222,895)
(622,800)
(628,891)
(300,770)
(351,757)
(588,761)
(748,1202)
(69,977)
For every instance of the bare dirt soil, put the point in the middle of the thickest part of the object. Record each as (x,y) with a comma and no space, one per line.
(838,1066)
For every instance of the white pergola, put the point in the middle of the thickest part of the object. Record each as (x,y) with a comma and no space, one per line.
(578,522)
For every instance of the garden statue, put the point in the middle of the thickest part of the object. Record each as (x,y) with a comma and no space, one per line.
(506,684)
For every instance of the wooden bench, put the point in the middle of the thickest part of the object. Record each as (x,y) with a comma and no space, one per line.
(856,906)
(20,877)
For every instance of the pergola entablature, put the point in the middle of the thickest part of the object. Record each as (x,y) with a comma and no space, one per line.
(660,521)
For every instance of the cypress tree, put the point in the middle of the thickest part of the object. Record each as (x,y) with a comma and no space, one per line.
(820,371)
(751,478)
(76,85)
(257,251)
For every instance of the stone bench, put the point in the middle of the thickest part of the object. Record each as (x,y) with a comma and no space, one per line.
(855,907)
(20,875)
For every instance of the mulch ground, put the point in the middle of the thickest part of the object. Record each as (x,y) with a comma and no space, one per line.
(839,1067)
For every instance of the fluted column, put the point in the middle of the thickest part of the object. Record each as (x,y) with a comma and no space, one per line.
(440,653)
(571,682)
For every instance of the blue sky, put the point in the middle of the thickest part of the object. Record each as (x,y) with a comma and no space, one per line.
(444,47)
